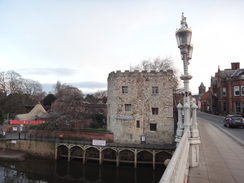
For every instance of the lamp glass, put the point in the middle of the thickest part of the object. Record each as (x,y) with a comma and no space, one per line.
(183,37)
(190,51)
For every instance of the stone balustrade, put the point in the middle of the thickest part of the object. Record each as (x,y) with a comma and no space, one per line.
(187,151)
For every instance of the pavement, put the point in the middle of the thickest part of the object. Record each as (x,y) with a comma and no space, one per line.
(221,157)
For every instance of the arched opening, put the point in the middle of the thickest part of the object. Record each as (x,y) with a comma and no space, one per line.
(161,156)
(76,153)
(92,154)
(109,156)
(126,157)
(62,151)
(144,158)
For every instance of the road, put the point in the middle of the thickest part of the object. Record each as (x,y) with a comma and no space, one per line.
(218,121)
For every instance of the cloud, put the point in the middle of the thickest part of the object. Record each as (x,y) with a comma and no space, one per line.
(90,85)
(60,71)
(86,86)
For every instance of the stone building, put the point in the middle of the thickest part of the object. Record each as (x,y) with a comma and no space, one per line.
(140,107)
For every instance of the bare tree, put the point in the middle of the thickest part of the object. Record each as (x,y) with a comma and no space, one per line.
(14,82)
(66,108)
(158,64)
(33,89)
(3,81)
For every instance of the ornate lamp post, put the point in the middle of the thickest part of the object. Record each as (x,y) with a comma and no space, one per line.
(183,37)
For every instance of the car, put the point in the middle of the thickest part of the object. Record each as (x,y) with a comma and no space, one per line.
(234,121)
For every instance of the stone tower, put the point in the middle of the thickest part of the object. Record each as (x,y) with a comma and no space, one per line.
(140,107)
(201,89)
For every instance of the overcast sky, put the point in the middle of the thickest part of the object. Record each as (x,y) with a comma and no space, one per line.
(80,42)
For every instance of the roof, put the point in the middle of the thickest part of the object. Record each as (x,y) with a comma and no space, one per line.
(36,113)
(237,73)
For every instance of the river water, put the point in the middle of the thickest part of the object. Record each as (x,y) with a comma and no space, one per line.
(35,170)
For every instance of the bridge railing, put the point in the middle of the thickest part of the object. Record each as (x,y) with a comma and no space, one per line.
(178,166)
(187,151)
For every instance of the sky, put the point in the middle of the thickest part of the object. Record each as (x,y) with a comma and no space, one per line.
(79,42)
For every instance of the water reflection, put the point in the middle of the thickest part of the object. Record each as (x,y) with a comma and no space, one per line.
(48,171)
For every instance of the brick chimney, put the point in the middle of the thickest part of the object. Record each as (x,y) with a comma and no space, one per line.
(235,65)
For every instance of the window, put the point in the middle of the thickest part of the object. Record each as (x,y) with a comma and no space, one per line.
(224,107)
(137,124)
(124,89)
(242,90)
(236,91)
(127,107)
(154,111)
(153,127)
(224,92)
(154,90)
(238,107)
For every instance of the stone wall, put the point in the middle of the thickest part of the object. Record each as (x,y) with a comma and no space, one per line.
(130,126)
(35,148)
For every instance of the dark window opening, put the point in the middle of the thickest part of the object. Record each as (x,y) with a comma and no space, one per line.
(137,124)
(124,89)
(154,111)
(127,107)
(153,127)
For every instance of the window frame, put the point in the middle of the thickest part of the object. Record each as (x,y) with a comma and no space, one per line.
(225,107)
(125,89)
(155,110)
(128,107)
(237,106)
(153,127)
(138,125)
(224,91)
(242,90)
(236,89)
(155,90)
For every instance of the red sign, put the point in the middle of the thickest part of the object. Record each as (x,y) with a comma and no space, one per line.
(25,122)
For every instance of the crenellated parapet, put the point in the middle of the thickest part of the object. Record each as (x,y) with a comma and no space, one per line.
(144,73)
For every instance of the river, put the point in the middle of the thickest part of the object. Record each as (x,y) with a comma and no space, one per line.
(36,170)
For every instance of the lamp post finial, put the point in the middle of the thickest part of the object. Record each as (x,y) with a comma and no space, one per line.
(183,21)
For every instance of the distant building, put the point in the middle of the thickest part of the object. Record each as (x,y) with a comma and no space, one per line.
(140,107)
(201,91)
(227,91)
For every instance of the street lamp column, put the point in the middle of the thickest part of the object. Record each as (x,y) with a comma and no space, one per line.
(183,37)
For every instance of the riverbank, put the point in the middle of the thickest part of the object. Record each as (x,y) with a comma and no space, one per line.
(12,155)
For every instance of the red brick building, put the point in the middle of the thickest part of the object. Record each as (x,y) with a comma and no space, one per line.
(226,93)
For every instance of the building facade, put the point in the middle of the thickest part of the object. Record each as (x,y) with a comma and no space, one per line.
(140,107)
(227,91)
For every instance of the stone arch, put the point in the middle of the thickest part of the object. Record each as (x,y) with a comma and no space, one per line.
(62,151)
(144,157)
(76,152)
(109,154)
(161,156)
(126,155)
(92,153)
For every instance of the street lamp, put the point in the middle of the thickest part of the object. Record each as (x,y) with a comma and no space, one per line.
(183,37)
